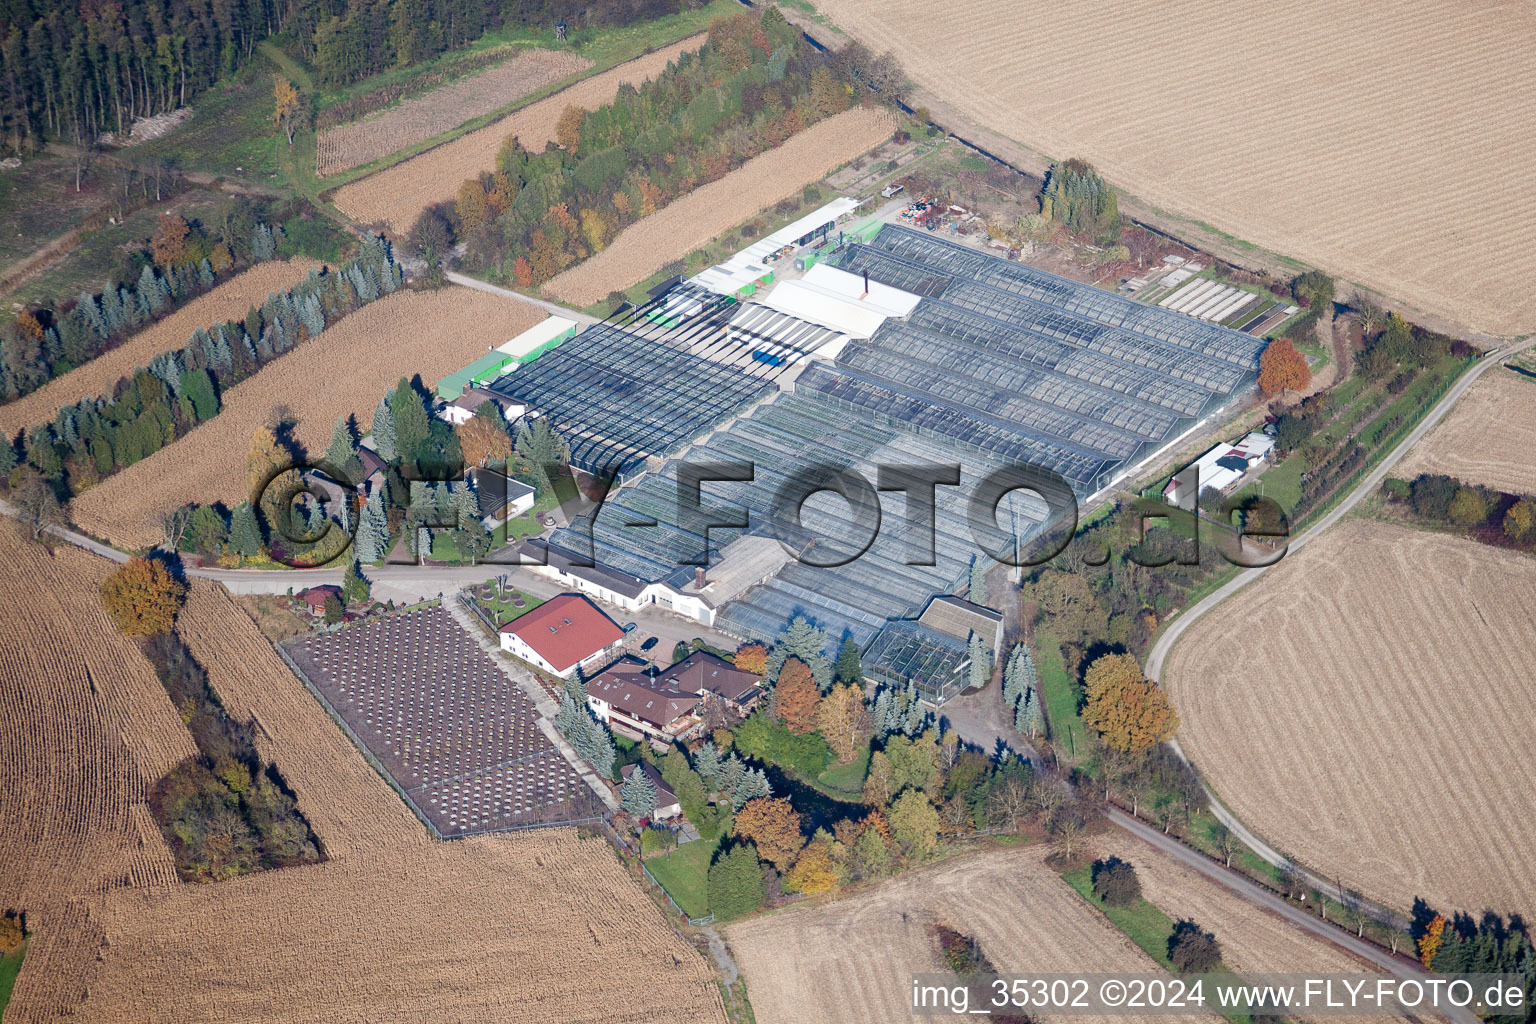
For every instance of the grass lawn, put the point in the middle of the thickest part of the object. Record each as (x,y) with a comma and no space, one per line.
(10,967)
(1061,694)
(230,131)
(845,781)
(684,873)
(1281,483)
(502,610)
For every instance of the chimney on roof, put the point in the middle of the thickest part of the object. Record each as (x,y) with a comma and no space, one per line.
(866,286)
(700,580)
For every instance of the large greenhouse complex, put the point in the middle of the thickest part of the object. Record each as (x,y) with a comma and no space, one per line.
(998,365)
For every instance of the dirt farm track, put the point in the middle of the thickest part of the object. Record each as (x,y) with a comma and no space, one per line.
(1381,140)
(1363,708)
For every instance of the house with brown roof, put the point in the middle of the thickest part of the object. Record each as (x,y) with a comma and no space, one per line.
(713,678)
(632,698)
(562,635)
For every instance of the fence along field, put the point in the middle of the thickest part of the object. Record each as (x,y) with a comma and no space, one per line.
(229,300)
(1299,127)
(1375,723)
(446,107)
(539,927)
(693,220)
(1253,940)
(1487,439)
(397,195)
(85,729)
(344,371)
(852,961)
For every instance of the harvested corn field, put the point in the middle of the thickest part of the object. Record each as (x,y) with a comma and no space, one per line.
(346,803)
(395,196)
(539,927)
(85,730)
(418,119)
(344,371)
(227,301)
(1374,723)
(1298,127)
(852,961)
(542,927)
(1488,439)
(683,226)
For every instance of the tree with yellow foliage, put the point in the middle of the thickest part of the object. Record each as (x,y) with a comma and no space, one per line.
(1129,712)
(843,721)
(169,246)
(814,871)
(1429,942)
(142,597)
(285,110)
(263,460)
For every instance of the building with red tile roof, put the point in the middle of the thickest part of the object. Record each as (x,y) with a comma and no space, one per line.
(562,634)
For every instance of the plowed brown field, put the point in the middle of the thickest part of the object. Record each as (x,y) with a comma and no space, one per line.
(396,195)
(1365,707)
(683,226)
(540,927)
(1489,438)
(228,301)
(418,119)
(1300,127)
(852,961)
(344,371)
(85,729)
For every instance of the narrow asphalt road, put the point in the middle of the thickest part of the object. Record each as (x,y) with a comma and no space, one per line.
(1160,650)
(554,309)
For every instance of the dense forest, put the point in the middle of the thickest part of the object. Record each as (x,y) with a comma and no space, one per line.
(752,86)
(73,73)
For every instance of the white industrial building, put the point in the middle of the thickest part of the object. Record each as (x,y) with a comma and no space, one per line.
(1220,469)
(848,303)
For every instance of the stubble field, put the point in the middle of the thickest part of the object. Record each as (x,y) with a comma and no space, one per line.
(1488,439)
(852,961)
(693,220)
(1253,940)
(418,119)
(227,301)
(397,195)
(1303,128)
(1364,707)
(539,927)
(342,372)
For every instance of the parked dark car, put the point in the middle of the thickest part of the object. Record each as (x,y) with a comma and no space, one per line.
(652,642)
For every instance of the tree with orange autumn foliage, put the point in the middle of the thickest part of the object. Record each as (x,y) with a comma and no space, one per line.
(843,721)
(751,658)
(1282,368)
(568,127)
(169,244)
(1129,712)
(142,597)
(797,696)
(772,825)
(1429,942)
